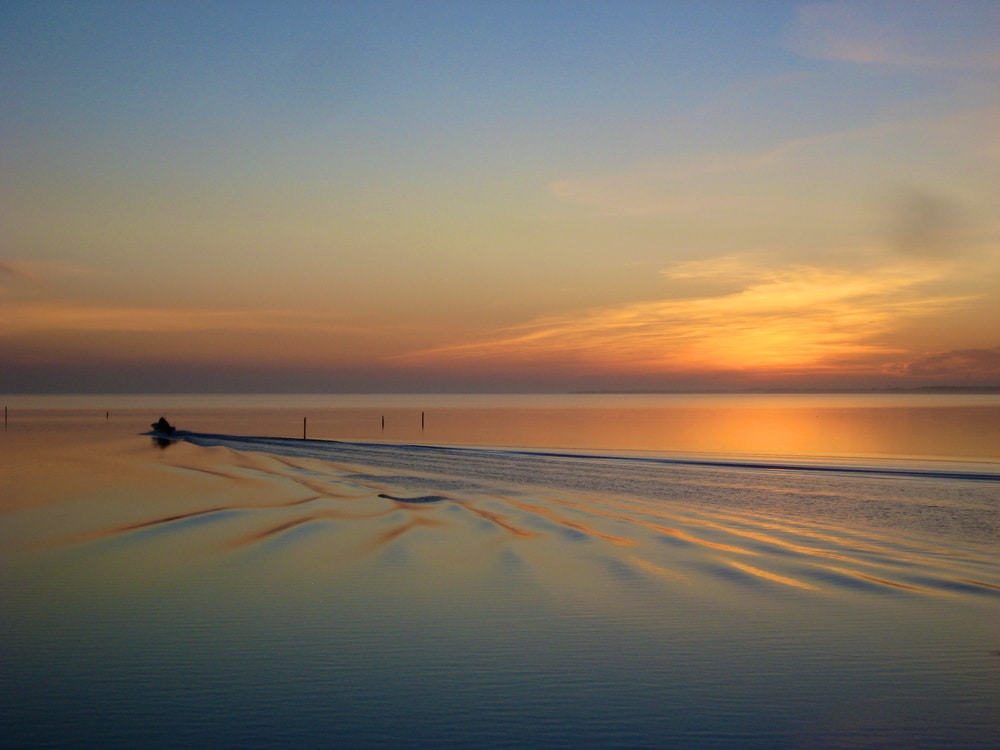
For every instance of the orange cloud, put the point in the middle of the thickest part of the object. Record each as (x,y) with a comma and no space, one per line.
(72,333)
(967,362)
(798,319)
(63,317)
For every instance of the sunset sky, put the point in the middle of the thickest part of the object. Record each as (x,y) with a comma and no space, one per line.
(498,196)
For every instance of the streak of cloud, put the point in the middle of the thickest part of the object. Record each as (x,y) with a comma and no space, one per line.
(964,362)
(956,35)
(750,184)
(40,274)
(661,187)
(66,317)
(804,318)
(167,345)
(19,272)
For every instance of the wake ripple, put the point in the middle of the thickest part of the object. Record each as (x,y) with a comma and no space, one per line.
(807,527)
(431,453)
(954,501)
(390,453)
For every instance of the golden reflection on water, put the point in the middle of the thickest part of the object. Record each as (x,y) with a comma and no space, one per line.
(744,426)
(236,499)
(895,425)
(355,568)
(769,576)
(237,573)
(972,433)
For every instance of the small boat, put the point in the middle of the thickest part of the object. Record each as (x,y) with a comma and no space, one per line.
(164,426)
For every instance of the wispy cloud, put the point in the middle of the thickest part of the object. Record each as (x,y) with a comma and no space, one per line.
(744,269)
(69,334)
(38,274)
(660,187)
(923,33)
(802,318)
(931,164)
(975,363)
(47,317)
(19,272)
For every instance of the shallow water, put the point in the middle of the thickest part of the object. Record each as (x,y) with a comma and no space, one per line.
(226,591)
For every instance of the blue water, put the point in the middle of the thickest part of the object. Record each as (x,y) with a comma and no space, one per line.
(235,591)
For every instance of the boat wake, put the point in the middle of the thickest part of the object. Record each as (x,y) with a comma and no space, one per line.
(743,523)
(391,453)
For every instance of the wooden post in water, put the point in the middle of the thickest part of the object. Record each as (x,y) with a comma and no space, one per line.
(383,423)
(5,417)
(303,428)
(421,421)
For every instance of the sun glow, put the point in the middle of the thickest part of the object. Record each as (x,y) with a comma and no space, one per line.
(795,319)
(806,201)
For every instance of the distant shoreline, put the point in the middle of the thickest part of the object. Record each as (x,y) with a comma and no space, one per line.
(930,389)
(944,389)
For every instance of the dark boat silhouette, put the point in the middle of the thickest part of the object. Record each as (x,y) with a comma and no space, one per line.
(164,427)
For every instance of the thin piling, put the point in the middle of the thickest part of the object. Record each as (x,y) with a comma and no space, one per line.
(303,428)
(421,421)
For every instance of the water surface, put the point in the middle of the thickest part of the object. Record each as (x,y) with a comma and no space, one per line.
(530,571)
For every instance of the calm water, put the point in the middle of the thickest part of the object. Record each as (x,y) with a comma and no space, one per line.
(714,571)
(906,426)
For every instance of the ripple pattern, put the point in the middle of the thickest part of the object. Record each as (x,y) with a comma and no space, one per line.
(732,523)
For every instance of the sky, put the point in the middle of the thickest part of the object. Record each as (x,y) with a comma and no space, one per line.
(498,196)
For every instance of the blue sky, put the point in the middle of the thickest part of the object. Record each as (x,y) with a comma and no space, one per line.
(468,196)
